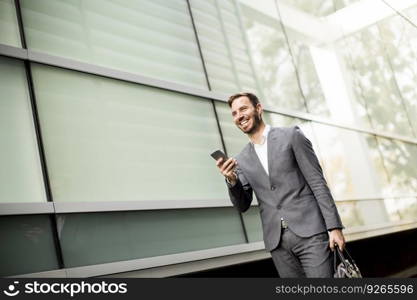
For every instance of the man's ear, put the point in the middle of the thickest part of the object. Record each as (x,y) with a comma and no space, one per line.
(259,108)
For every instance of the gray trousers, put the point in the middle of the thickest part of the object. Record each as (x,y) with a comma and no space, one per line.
(297,256)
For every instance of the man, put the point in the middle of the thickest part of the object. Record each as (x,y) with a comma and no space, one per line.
(296,207)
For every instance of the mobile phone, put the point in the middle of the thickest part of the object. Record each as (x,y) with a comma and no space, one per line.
(219,154)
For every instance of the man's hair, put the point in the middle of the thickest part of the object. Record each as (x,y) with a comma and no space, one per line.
(252,97)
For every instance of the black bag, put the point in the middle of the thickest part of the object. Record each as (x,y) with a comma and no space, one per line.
(347,267)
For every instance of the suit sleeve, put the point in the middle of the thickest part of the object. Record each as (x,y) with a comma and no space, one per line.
(311,169)
(241,193)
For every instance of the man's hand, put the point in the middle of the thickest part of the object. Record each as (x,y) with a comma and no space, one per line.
(227,169)
(336,237)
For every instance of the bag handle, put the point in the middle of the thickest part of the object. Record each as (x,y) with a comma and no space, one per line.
(343,259)
(350,257)
(338,253)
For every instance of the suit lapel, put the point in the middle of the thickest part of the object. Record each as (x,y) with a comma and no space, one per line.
(254,156)
(259,169)
(270,139)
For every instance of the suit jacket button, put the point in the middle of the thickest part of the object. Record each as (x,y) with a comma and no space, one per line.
(273,188)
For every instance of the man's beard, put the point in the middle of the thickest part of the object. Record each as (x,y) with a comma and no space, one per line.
(256,123)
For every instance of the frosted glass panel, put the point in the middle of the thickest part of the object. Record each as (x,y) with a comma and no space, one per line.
(88,239)
(20,171)
(108,140)
(27,245)
(9,30)
(149,37)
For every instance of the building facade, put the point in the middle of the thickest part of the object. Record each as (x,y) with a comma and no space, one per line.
(109,111)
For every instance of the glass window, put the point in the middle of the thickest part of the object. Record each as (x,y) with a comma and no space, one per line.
(224,46)
(308,77)
(20,172)
(27,245)
(97,238)
(400,161)
(411,14)
(109,140)
(400,41)
(315,8)
(349,214)
(402,209)
(351,162)
(322,77)
(253,225)
(363,213)
(271,55)
(375,84)
(149,37)
(377,212)
(318,8)
(9,29)
(349,105)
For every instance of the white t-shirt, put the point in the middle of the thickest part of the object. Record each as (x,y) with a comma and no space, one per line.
(262,149)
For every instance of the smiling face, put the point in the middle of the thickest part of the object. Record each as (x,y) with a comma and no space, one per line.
(246,117)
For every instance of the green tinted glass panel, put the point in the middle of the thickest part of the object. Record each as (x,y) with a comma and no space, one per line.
(224,46)
(253,224)
(96,238)
(20,171)
(9,29)
(108,140)
(149,37)
(27,245)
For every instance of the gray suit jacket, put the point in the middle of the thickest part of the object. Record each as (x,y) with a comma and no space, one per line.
(295,189)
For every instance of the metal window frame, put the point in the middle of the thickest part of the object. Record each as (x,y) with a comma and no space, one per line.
(26,208)
(39,138)
(34,208)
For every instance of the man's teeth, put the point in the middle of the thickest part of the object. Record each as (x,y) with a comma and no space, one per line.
(244,122)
